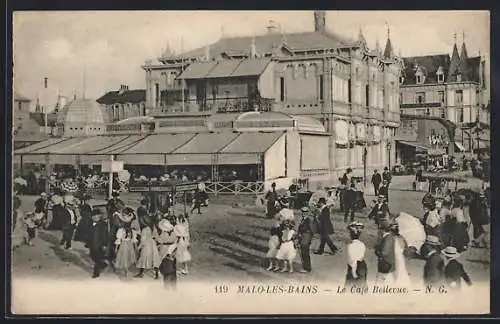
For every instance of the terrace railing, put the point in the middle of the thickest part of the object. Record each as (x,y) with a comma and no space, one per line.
(235,188)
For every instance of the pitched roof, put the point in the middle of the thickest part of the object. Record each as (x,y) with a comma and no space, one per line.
(388,49)
(428,64)
(227,68)
(454,64)
(20,97)
(265,43)
(462,67)
(473,69)
(39,118)
(128,96)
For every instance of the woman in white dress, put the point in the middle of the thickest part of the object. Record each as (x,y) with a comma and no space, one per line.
(183,256)
(149,257)
(18,227)
(401,276)
(287,251)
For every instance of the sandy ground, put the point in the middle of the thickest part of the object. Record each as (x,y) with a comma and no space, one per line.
(228,247)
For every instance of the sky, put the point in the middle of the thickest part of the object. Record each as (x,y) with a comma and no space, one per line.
(109,47)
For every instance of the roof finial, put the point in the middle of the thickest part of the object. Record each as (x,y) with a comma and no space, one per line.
(463,36)
(455,37)
(222,32)
(388,30)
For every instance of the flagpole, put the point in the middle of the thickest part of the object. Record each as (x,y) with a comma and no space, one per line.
(44,105)
(182,70)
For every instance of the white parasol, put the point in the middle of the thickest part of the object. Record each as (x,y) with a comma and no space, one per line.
(411,229)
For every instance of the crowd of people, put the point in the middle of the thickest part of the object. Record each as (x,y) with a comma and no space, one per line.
(442,231)
(149,238)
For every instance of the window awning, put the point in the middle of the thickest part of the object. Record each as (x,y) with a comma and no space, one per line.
(413,144)
(197,70)
(156,149)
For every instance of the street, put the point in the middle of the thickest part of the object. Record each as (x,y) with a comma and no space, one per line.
(229,242)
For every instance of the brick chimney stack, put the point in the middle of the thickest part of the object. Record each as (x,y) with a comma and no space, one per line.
(319,21)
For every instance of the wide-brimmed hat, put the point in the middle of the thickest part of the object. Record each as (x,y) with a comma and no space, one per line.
(433,240)
(304,209)
(115,193)
(126,218)
(284,202)
(69,200)
(381,196)
(447,199)
(43,194)
(165,225)
(450,252)
(69,186)
(143,178)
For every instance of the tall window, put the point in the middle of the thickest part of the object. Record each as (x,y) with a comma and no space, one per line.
(157,91)
(19,105)
(440,78)
(282,89)
(441,97)
(420,97)
(461,115)
(459,97)
(321,87)
(459,78)
(367,95)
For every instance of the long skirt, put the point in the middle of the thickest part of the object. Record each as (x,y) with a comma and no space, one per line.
(361,272)
(126,255)
(149,258)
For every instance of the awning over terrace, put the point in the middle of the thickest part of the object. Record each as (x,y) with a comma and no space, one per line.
(155,149)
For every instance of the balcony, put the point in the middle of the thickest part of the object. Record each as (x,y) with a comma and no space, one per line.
(422,105)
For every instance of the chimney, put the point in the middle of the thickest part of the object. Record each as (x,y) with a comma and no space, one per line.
(123,88)
(319,21)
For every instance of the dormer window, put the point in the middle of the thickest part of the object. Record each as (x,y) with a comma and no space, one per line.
(419,75)
(440,75)
(459,78)
(401,79)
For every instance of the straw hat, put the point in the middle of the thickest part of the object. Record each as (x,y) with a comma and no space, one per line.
(450,252)
(43,194)
(304,209)
(433,240)
(165,225)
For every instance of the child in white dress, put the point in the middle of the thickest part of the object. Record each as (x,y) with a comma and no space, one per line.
(181,230)
(149,258)
(287,251)
(126,241)
(273,244)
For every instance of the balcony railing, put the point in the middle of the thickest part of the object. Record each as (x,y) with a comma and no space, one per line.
(235,105)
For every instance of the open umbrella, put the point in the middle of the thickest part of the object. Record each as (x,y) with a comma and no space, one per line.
(411,229)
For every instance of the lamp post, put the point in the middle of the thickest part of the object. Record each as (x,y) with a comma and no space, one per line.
(389,151)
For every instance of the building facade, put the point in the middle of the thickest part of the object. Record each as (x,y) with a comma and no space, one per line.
(452,88)
(124,103)
(353,91)
(81,117)
(20,111)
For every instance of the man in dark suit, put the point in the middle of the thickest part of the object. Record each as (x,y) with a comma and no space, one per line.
(386,175)
(384,250)
(142,214)
(376,181)
(69,221)
(454,271)
(272,198)
(434,262)
(379,211)
(97,242)
(305,233)
(345,182)
(325,228)
(384,190)
(41,205)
